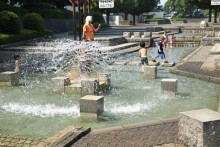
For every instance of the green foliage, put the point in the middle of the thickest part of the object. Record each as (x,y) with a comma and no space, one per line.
(23,35)
(33,21)
(158,20)
(19,11)
(9,22)
(180,15)
(97,18)
(178,19)
(104,25)
(3,6)
(54,13)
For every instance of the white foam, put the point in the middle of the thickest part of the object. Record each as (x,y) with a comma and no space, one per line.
(130,109)
(48,110)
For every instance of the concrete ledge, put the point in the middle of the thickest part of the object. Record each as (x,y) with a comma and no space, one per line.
(202,77)
(188,74)
(214,79)
(136,125)
(66,137)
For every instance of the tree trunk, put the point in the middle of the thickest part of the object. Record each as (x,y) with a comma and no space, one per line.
(215,19)
(210,14)
(107,17)
(133,20)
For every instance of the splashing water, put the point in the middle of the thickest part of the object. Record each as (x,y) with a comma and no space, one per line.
(48,110)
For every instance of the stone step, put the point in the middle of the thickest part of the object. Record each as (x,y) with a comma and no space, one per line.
(215,49)
(124,51)
(117,47)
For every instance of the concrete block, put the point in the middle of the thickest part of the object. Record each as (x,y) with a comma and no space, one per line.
(73,88)
(90,86)
(151,63)
(150,71)
(92,104)
(199,128)
(147,35)
(59,83)
(169,85)
(167,64)
(9,78)
(106,79)
(137,34)
(127,34)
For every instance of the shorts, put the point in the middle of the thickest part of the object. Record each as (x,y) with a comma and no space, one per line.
(162,56)
(165,42)
(144,60)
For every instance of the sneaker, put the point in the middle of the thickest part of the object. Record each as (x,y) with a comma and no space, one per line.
(153,60)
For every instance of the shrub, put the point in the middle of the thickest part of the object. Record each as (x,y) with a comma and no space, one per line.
(9,23)
(158,20)
(33,21)
(97,17)
(23,35)
(54,13)
(179,19)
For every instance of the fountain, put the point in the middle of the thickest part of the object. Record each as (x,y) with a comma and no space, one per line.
(32,109)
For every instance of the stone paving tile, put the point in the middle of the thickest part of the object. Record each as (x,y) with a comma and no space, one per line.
(195,67)
(17,141)
(209,63)
(134,136)
(201,55)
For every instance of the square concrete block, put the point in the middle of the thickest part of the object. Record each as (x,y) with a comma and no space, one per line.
(104,78)
(127,34)
(169,85)
(9,78)
(200,128)
(147,35)
(73,88)
(59,83)
(90,86)
(151,63)
(137,34)
(150,71)
(92,104)
(167,64)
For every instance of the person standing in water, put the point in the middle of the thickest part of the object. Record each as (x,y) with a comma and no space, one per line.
(143,52)
(17,63)
(89,29)
(172,39)
(160,52)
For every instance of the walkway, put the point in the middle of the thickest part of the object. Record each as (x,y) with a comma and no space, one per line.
(199,64)
(136,135)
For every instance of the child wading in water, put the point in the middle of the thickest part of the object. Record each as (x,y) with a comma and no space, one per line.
(172,39)
(17,63)
(143,54)
(160,52)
